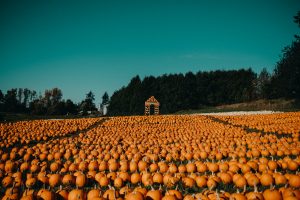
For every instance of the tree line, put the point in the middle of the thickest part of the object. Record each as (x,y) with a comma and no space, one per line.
(19,100)
(197,90)
(186,91)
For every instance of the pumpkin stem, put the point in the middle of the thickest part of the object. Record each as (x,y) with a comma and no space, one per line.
(255,188)
(114,193)
(217,194)
(14,183)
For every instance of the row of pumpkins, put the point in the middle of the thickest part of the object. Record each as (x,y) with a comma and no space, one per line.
(156,157)
(140,193)
(25,132)
(278,122)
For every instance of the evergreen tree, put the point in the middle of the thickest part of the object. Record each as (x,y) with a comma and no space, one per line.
(1,101)
(70,107)
(104,104)
(105,99)
(88,104)
(285,81)
(10,100)
(262,84)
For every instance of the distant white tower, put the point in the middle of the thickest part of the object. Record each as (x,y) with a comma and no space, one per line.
(105,109)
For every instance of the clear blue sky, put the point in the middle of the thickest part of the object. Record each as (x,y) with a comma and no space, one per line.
(100,45)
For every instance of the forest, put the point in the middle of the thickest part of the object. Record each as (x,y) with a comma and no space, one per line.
(196,90)
(19,100)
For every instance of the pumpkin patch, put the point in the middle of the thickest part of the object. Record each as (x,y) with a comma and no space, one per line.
(152,157)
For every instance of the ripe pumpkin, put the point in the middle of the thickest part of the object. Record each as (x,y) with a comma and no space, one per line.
(271,194)
(77,194)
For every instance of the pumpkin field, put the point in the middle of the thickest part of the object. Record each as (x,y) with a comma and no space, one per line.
(169,157)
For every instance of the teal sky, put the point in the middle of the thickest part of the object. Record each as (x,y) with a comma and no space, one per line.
(100,45)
